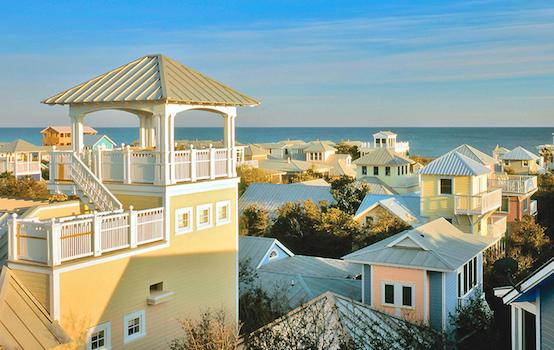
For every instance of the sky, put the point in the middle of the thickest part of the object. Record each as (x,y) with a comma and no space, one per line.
(311,63)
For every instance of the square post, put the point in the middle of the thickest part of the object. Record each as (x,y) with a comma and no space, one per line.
(12,238)
(77,130)
(97,234)
(133,232)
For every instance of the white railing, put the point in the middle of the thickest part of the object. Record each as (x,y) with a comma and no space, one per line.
(533,210)
(477,204)
(59,240)
(92,187)
(398,147)
(514,184)
(19,167)
(496,225)
(144,166)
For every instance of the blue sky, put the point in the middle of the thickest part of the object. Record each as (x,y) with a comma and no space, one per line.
(311,63)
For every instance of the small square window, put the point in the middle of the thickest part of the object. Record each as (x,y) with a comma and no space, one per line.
(204,216)
(134,326)
(445,186)
(99,337)
(223,213)
(389,294)
(183,220)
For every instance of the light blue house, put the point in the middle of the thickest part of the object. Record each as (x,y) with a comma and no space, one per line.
(98,141)
(423,274)
(532,306)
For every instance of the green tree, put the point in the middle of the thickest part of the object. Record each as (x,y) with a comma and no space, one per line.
(348,193)
(249,175)
(474,325)
(307,175)
(528,244)
(254,221)
(370,233)
(343,148)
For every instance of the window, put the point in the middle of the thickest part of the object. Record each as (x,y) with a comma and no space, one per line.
(223,213)
(445,186)
(387,171)
(467,277)
(398,294)
(156,287)
(369,220)
(183,220)
(526,204)
(505,204)
(506,162)
(389,293)
(99,337)
(525,163)
(364,170)
(398,170)
(273,254)
(203,216)
(134,326)
(406,296)
(375,170)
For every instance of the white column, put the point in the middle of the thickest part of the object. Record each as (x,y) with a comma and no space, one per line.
(133,234)
(152,123)
(77,132)
(142,131)
(97,235)
(164,144)
(12,238)
(55,256)
(233,148)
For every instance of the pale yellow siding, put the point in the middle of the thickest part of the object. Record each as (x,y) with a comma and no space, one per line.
(140,202)
(199,267)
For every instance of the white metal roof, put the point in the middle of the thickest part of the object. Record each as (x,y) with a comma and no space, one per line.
(519,153)
(153,78)
(475,154)
(456,164)
(437,245)
(383,156)
(405,207)
(384,134)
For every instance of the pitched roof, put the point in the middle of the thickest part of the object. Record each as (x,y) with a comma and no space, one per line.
(376,186)
(153,78)
(384,133)
(66,128)
(543,275)
(475,154)
(91,140)
(255,150)
(24,322)
(456,164)
(437,245)
(383,156)
(19,145)
(332,315)
(254,249)
(316,182)
(272,196)
(290,166)
(319,146)
(519,153)
(405,207)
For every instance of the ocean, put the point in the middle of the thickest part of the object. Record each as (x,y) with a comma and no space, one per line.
(430,142)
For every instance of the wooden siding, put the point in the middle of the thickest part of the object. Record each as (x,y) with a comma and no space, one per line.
(450,295)
(547,316)
(435,299)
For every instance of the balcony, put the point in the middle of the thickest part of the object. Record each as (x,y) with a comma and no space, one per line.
(19,168)
(141,166)
(496,225)
(516,185)
(478,204)
(60,240)
(398,147)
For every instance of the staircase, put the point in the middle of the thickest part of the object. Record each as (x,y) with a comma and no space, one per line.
(90,189)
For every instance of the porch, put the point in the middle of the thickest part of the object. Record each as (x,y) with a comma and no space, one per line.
(514,184)
(478,204)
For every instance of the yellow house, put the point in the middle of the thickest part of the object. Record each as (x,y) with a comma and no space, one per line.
(154,238)
(520,161)
(455,187)
(393,169)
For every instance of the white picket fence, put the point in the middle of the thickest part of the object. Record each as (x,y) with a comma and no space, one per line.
(56,241)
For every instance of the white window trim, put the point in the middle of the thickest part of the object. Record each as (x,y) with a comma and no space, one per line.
(199,210)
(178,213)
(218,206)
(439,186)
(142,316)
(107,328)
(398,295)
(475,278)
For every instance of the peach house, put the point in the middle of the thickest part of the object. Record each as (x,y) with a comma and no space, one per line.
(423,274)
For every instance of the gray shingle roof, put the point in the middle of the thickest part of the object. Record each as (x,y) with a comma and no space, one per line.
(455,164)
(519,153)
(437,245)
(331,314)
(272,196)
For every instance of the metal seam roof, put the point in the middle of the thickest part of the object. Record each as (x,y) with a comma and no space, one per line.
(153,78)
(456,164)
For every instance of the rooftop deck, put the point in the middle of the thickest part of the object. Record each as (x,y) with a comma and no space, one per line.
(514,184)
(478,204)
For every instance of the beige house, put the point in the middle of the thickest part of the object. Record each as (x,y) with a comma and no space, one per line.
(521,161)
(61,135)
(21,158)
